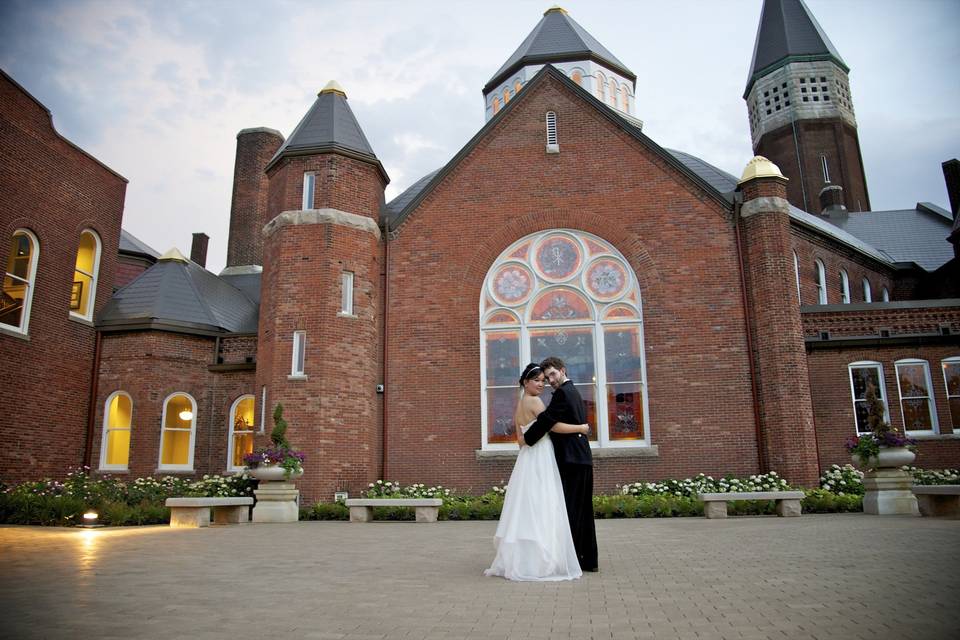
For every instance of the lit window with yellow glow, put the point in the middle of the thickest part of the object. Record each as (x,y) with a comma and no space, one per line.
(177,434)
(241,431)
(517,86)
(83,292)
(18,281)
(496,104)
(577,77)
(117,420)
(506,96)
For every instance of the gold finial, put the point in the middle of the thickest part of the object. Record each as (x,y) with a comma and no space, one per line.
(555,9)
(333,87)
(760,167)
(173,255)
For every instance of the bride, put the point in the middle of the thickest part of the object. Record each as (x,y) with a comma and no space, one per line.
(533,538)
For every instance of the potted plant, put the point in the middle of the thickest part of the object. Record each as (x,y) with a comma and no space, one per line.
(279,461)
(884,446)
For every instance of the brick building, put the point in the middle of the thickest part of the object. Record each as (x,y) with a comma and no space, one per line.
(712,324)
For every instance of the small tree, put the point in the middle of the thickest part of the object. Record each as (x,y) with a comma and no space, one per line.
(279,434)
(876,412)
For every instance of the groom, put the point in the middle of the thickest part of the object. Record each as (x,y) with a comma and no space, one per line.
(573,458)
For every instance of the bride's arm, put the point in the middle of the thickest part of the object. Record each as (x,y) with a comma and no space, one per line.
(563,427)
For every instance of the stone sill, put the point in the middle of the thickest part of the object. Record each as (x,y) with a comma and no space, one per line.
(111,472)
(13,333)
(927,437)
(297,377)
(81,320)
(341,314)
(652,451)
(175,472)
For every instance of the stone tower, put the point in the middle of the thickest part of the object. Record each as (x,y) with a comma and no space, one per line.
(801,112)
(319,348)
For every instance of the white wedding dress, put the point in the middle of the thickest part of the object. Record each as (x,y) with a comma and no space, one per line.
(533,540)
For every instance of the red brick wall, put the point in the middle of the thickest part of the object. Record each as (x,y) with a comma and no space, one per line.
(835,139)
(128,270)
(811,247)
(248,207)
(342,183)
(151,365)
(897,319)
(53,188)
(680,243)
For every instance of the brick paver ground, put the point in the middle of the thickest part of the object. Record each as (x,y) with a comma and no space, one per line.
(844,576)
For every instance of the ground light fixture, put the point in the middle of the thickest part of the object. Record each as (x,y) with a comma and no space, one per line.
(90,518)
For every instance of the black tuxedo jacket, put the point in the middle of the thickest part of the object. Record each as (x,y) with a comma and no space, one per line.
(565,406)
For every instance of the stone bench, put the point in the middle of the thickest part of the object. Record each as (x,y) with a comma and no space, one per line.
(361,509)
(938,500)
(715,504)
(195,512)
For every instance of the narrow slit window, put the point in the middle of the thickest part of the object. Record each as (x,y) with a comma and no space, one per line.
(299,353)
(346,293)
(844,287)
(821,278)
(309,186)
(825,168)
(551,129)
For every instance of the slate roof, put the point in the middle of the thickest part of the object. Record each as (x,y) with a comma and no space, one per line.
(788,32)
(719,179)
(180,296)
(911,235)
(329,125)
(557,38)
(133,245)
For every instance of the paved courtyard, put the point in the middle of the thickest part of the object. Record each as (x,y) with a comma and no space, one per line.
(818,576)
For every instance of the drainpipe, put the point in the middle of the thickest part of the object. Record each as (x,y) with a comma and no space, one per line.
(796,146)
(737,203)
(386,307)
(91,404)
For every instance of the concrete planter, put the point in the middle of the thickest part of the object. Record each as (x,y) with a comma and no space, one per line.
(886,485)
(272,474)
(888,458)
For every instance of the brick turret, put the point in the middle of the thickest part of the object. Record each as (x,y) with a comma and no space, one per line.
(786,413)
(248,208)
(322,277)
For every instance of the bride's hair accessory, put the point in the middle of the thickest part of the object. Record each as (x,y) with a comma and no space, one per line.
(532,370)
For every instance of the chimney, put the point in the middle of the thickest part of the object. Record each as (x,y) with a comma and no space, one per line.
(248,205)
(951,174)
(198,252)
(831,201)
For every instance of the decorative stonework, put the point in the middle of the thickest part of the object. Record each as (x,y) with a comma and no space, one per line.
(322,216)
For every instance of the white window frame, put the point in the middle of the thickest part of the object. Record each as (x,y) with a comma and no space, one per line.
(233,432)
(867,364)
(298,360)
(553,146)
(931,405)
(796,273)
(825,168)
(309,189)
(946,388)
(885,295)
(867,291)
(104,439)
(346,293)
(844,287)
(93,276)
(600,384)
(821,281)
(30,282)
(164,429)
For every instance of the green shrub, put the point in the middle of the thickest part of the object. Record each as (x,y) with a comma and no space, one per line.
(823,501)
(325,511)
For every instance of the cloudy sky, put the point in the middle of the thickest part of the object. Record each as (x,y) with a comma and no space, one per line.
(159,90)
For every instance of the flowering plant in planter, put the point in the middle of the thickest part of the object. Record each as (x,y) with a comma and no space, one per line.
(882,434)
(280,454)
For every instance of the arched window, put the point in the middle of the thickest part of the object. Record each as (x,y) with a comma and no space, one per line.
(506,96)
(867,294)
(516,87)
(613,92)
(601,87)
(820,276)
(84,292)
(796,273)
(496,104)
(844,287)
(577,77)
(885,295)
(951,379)
(178,431)
(626,99)
(862,376)
(568,294)
(916,397)
(117,420)
(19,281)
(242,423)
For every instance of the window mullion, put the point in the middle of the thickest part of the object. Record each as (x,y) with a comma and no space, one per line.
(599,345)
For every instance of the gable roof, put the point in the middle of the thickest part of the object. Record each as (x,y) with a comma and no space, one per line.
(396,212)
(181,296)
(328,126)
(132,245)
(557,38)
(788,32)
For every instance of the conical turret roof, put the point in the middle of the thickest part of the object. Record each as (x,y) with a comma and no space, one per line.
(557,38)
(329,126)
(788,32)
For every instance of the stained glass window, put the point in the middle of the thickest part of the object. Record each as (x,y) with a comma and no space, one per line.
(242,424)
(951,378)
(916,402)
(862,376)
(571,295)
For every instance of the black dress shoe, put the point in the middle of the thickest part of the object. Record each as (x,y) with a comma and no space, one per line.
(593,570)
